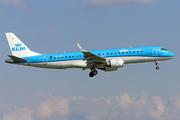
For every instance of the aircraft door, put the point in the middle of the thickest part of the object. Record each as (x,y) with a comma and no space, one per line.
(154,52)
(45,60)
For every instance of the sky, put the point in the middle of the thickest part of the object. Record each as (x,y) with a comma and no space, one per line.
(136,91)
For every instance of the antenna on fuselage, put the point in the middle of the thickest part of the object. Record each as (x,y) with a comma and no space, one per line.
(130,46)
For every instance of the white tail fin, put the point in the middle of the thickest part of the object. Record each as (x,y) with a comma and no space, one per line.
(18,48)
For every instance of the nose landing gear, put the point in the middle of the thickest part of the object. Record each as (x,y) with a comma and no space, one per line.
(157,67)
(93,73)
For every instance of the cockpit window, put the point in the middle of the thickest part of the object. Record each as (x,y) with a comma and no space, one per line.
(163,49)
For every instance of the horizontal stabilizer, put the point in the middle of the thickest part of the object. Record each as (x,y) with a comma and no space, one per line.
(17,58)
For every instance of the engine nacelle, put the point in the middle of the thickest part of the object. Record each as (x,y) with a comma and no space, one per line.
(107,69)
(115,63)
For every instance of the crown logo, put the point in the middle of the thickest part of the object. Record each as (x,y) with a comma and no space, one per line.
(18,45)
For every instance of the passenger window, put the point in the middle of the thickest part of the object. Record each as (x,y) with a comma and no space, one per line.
(126,52)
(133,51)
(141,51)
(130,51)
(119,52)
(61,57)
(76,56)
(79,55)
(66,57)
(69,56)
(73,56)
(122,52)
(115,53)
(138,51)
(99,54)
(58,57)
(111,53)
(54,57)
(107,53)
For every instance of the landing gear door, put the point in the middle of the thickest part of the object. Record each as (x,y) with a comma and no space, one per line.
(154,52)
(45,60)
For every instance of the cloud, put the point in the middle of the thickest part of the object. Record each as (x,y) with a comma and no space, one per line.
(114,2)
(51,30)
(176,102)
(10,112)
(53,106)
(19,114)
(17,3)
(3,10)
(47,106)
(159,108)
(124,100)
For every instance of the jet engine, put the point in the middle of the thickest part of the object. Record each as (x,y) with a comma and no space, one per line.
(117,63)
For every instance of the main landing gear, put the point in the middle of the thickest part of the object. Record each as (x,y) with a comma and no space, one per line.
(93,73)
(157,67)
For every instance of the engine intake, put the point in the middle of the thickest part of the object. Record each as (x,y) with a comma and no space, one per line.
(115,63)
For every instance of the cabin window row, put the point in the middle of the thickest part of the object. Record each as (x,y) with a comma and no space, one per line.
(121,52)
(53,57)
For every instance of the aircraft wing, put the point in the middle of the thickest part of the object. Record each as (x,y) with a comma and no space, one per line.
(92,59)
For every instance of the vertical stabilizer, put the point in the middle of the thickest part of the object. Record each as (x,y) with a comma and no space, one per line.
(18,48)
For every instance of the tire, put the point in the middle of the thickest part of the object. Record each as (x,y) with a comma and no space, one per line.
(95,72)
(91,74)
(157,68)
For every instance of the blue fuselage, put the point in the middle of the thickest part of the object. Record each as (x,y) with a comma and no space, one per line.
(77,59)
(151,51)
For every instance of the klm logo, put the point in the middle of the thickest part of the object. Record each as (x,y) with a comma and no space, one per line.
(123,50)
(18,47)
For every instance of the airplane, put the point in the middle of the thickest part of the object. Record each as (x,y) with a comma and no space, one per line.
(106,60)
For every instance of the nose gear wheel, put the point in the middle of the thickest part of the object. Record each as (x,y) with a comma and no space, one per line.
(157,68)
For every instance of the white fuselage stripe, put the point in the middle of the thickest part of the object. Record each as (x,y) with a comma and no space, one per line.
(82,64)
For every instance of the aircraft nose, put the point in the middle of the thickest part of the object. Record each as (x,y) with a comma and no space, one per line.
(172,55)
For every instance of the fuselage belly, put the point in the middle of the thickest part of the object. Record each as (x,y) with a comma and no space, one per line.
(82,64)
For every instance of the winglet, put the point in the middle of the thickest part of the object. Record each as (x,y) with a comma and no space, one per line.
(83,50)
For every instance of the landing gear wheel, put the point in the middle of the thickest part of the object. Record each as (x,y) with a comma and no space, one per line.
(93,73)
(157,68)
